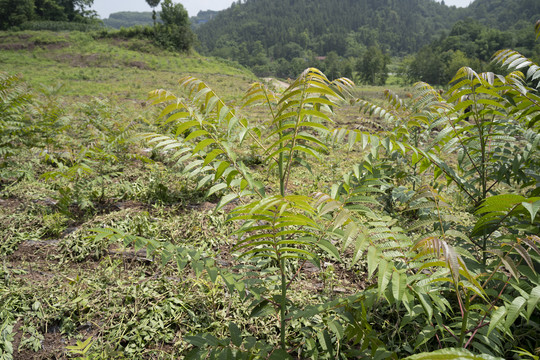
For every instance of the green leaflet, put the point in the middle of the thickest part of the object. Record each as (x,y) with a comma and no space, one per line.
(329,248)
(496,317)
(533,300)
(385,273)
(451,354)
(372,260)
(236,334)
(399,285)
(532,207)
(514,311)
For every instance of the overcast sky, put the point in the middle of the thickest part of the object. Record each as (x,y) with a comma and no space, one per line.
(105,7)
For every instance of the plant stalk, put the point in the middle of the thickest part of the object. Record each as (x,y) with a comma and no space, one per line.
(283,303)
(464,321)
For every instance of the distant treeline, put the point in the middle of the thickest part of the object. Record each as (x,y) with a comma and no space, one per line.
(132,18)
(128,18)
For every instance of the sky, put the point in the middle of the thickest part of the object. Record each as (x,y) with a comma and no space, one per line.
(105,7)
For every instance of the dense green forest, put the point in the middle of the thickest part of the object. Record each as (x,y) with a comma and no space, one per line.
(284,36)
(323,26)
(342,36)
(14,13)
(470,43)
(505,14)
(489,26)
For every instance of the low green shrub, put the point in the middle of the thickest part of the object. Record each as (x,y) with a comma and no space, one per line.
(60,26)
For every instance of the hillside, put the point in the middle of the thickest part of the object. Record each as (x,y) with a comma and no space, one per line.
(283,36)
(86,65)
(504,14)
(329,25)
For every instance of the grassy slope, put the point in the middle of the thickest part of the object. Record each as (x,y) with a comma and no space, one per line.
(123,69)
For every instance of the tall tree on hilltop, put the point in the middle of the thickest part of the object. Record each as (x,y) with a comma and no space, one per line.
(173,14)
(153,4)
(175,32)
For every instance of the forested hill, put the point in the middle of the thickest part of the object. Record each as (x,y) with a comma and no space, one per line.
(505,14)
(128,18)
(133,18)
(402,26)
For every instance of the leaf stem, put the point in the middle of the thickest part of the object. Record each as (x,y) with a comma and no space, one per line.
(465,319)
(283,302)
